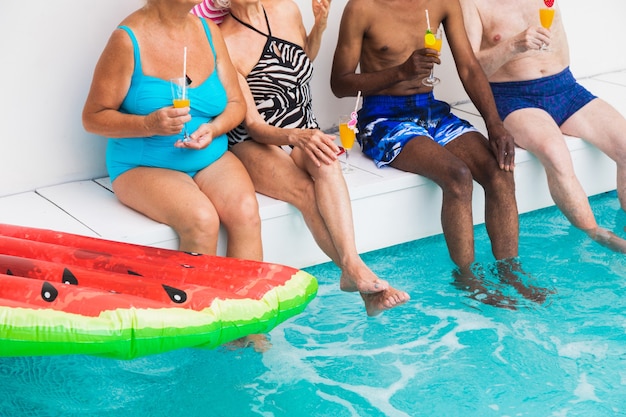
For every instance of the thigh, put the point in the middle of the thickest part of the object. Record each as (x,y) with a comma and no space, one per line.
(163,195)
(600,124)
(273,171)
(226,183)
(535,130)
(421,155)
(473,149)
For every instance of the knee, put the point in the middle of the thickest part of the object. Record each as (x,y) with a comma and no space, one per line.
(500,181)
(245,213)
(201,224)
(458,183)
(241,213)
(329,171)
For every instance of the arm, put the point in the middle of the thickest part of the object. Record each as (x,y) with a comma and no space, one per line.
(235,109)
(314,38)
(477,87)
(317,145)
(109,86)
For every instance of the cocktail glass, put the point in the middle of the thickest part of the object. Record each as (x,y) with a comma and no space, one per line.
(433,41)
(180,99)
(546,16)
(347,135)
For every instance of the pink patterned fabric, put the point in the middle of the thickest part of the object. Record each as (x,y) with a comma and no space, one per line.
(209,10)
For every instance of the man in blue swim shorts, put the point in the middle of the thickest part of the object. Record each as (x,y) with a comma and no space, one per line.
(402,125)
(540,100)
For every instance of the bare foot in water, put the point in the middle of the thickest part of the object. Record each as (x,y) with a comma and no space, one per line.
(511,272)
(259,342)
(607,239)
(467,281)
(378,302)
(361,279)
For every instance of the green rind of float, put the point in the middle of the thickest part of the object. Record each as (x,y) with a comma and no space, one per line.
(148,331)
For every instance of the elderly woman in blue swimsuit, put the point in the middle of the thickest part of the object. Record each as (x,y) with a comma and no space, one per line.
(272,53)
(195,185)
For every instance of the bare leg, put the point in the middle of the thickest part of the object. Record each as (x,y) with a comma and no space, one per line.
(325,205)
(174,198)
(535,131)
(333,203)
(231,190)
(424,157)
(602,125)
(501,216)
(453,169)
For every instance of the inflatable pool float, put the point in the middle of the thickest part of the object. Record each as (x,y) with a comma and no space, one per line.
(62,293)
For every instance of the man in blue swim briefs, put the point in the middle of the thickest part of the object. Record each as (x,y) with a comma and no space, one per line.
(401,124)
(539,101)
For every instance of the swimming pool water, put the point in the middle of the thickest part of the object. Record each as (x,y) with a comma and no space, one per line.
(442,354)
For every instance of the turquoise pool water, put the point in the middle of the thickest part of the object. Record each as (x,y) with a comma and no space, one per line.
(442,354)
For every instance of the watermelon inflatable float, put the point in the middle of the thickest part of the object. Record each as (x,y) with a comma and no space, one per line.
(62,293)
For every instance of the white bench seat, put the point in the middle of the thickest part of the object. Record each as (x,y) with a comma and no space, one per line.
(389,206)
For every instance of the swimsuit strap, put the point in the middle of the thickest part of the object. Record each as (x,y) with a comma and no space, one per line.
(267,35)
(138,70)
(207,31)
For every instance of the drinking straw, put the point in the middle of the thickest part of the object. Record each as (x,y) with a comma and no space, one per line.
(353,115)
(427,20)
(184,72)
(358,97)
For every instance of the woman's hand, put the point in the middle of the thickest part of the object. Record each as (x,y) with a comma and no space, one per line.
(321,9)
(166,121)
(200,139)
(317,145)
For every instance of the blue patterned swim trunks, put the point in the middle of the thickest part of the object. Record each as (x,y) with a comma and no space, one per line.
(387,123)
(559,95)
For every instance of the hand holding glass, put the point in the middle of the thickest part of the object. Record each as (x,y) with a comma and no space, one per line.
(180,99)
(347,135)
(432,41)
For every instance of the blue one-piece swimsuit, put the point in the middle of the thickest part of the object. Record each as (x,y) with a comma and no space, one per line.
(147,94)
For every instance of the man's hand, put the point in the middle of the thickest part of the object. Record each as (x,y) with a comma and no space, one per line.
(503,147)
(419,64)
(532,38)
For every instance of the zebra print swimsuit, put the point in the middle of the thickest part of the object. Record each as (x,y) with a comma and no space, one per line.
(280,85)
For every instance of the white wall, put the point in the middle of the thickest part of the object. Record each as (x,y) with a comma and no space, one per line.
(591,51)
(49,49)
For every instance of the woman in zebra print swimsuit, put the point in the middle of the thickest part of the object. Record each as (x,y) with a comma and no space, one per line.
(272,52)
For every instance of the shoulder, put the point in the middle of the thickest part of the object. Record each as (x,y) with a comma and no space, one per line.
(471,14)
(120,39)
(471,7)
(362,14)
(213,28)
(286,9)
(364,7)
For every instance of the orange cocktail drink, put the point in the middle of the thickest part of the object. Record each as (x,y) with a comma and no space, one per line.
(546,16)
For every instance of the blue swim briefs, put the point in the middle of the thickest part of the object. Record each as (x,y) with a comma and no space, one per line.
(387,123)
(559,95)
